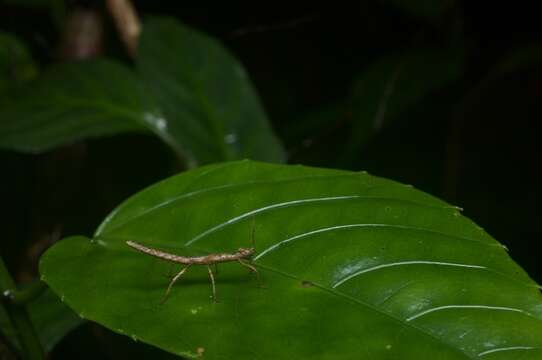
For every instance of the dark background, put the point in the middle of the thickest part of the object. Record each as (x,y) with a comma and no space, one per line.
(473,142)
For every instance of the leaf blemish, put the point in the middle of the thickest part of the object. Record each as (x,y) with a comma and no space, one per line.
(306,283)
(200,351)
(194,311)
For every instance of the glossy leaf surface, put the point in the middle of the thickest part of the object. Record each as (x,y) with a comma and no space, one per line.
(73,101)
(353,266)
(206,93)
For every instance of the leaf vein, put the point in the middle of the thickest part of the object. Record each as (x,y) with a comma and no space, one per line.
(184,196)
(511,348)
(480,307)
(372,307)
(361,225)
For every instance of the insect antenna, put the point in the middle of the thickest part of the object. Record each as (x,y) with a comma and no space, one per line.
(248,262)
(252,232)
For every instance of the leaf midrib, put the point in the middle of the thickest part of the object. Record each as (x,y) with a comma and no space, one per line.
(362,303)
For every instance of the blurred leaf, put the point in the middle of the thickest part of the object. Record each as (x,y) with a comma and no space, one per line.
(316,136)
(493,129)
(51,318)
(73,101)
(431,10)
(16,64)
(389,87)
(316,122)
(516,60)
(354,266)
(204,91)
(6,327)
(494,89)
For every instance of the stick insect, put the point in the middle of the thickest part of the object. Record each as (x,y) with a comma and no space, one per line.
(242,255)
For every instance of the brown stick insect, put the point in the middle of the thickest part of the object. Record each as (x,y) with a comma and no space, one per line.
(242,255)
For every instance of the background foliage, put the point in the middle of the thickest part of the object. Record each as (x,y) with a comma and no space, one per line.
(443,95)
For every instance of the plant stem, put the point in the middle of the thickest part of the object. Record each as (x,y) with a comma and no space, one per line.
(28,293)
(19,318)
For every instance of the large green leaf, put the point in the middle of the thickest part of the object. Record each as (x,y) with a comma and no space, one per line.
(205,91)
(353,266)
(74,101)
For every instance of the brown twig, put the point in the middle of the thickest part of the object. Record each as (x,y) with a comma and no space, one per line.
(127,23)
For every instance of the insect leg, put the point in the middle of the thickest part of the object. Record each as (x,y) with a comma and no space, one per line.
(212,281)
(173,282)
(251,268)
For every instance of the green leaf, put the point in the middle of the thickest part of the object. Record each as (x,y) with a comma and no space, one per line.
(51,318)
(16,64)
(353,266)
(74,101)
(6,328)
(392,85)
(205,92)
